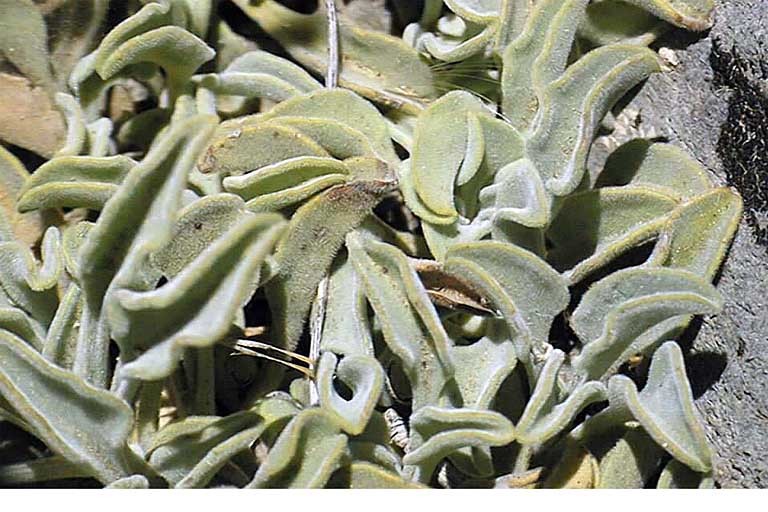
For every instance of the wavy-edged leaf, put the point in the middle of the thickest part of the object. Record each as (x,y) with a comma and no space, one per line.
(16,322)
(199,225)
(621,307)
(183,444)
(482,367)
(503,145)
(160,46)
(642,162)
(29,287)
(545,415)
(77,130)
(138,219)
(259,74)
(592,228)
(74,182)
(444,431)
(716,213)
(376,65)
(518,195)
(281,176)
(338,139)
(189,453)
(305,454)
(415,203)
(450,49)
(346,329)
(363,376)
(573,106)
(411,326)
(306,252)
(154,34)
(197,306)
(151,16)
(441,141)
(61,340)
(701,230)
(134,223)
(680,434)
(344,107)
(527,291)
(253,147)
(537,57)
(88,426)
(286,198)
(664,408)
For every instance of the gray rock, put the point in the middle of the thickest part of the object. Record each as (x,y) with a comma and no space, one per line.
(714,102)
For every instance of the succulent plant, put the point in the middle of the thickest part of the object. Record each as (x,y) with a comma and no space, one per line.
(226,272)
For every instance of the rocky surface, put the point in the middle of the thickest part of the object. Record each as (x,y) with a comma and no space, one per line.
(713,101)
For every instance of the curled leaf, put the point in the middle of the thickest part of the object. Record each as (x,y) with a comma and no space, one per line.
(664,408)
(259,74)
(545,415)
(412,328)
(439,148)
(189,453)
(573,105)
(537,57)
(375,65)
(363,375)
(346,329)
(527,292)
(615,219)
(305,454)
(444,431)
(304,255)
(197,307)
(74,182)
(88,426)
(621,307)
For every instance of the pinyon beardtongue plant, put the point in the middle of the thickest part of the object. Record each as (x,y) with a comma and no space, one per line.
(330,256)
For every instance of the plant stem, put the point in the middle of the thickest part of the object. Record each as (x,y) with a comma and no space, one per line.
(317,316)
(332,75)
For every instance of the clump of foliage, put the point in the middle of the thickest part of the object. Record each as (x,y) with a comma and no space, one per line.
(228,273)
